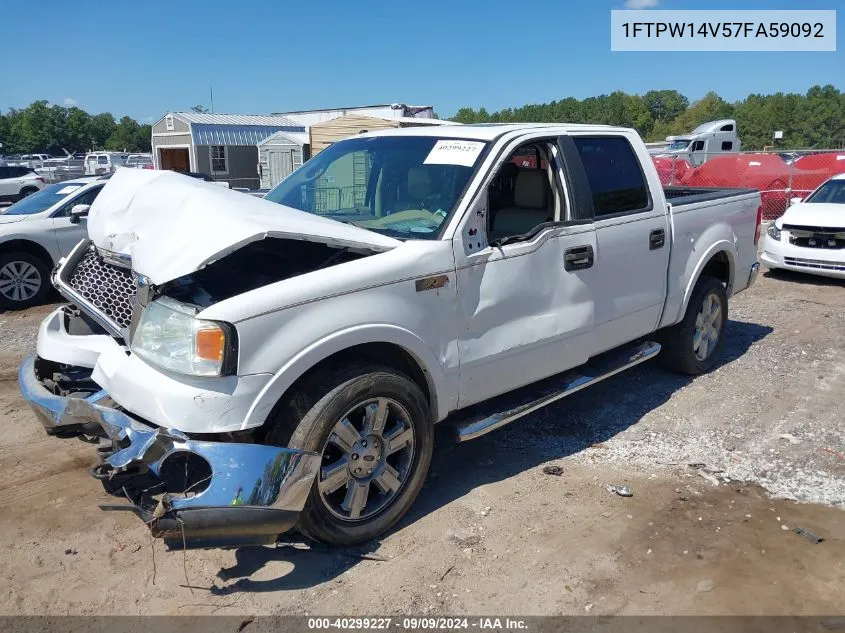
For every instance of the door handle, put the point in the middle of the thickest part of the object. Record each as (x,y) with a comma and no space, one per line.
(656,239)
(578,258)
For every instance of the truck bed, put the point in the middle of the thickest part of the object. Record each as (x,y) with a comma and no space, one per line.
(680,196)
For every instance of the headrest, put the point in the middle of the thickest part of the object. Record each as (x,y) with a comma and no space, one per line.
(532,189)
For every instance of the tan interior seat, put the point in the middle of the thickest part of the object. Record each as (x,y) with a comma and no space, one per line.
(531,205)
(417,189)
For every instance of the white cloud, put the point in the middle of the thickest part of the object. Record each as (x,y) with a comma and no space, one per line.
(70,101)
(641,4)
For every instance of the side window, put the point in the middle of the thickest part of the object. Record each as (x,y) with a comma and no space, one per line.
(616,179)
(525,192)
(698,146)
(86,198)
(727,128)
(5,172)
(727,146)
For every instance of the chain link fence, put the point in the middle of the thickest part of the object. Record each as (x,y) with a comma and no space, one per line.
(779,175)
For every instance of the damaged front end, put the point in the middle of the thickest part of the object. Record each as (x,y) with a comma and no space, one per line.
(192,493)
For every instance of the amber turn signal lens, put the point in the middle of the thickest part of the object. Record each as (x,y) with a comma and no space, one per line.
(211,342)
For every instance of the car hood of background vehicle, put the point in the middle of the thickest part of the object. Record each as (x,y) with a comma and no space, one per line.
(823,214)
(172,225)
(9,219)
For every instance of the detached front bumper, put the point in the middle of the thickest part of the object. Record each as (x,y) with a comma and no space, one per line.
(190,491)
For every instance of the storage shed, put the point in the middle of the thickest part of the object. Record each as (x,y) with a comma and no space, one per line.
(280,154)
(324,134)
(220,145)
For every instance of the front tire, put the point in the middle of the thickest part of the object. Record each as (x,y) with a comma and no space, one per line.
(694,345)
(24,280)
(373,427)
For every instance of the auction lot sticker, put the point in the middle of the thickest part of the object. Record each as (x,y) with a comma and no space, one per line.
(740,30)
(454,153)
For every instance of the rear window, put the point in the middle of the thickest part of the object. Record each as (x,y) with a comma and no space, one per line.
(102,160)
(614,173)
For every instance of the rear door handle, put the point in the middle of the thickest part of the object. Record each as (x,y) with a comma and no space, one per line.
(656,239)
(578,258)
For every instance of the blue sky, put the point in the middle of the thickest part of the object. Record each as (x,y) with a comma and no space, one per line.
(145,58)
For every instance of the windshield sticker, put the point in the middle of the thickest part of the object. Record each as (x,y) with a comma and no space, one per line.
(454,153)
(66,190)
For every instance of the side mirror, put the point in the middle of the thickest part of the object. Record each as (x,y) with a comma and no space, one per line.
(78,212)
(795,200)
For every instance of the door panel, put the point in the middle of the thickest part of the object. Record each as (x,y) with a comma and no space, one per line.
(631,277)
(69,235)
(524,316)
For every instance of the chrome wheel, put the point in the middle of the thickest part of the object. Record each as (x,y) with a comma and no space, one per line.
(367,458)
(19,281)
(708,327)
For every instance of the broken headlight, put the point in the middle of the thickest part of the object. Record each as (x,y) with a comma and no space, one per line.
(170,336)
(773,232)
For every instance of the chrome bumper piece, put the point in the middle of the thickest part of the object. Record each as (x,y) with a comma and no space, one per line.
(240,493)
(752,276)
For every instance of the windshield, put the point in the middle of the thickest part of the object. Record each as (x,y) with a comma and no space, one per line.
(44,199)
(833,191)
(675,145)
(403,186)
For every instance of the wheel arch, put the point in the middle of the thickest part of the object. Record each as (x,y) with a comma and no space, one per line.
(389,346)
(719,261)
(18,245)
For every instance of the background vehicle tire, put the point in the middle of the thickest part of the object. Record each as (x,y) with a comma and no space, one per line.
(373,427)
(694,345)
(24,280)
(27,191)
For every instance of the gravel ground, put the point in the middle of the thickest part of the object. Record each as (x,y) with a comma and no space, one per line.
(716,465)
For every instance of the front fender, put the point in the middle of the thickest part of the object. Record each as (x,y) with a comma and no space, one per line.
(443,393)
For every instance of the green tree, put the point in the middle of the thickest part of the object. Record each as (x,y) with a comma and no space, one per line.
(199,108)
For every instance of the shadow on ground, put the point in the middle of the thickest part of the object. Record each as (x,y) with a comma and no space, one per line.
(567,427)
(802,278)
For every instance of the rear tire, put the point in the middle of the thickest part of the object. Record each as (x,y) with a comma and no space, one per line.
(27,191)
(24,280)
(694,345)
(373,427)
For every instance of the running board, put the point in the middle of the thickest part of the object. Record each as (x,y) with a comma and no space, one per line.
(479,419)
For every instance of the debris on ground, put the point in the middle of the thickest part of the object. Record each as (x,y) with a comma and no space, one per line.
(622,491)
(705,475)
(463,537)
(813,538)
(789,438)
(70,551)
(704,586)
(553,469)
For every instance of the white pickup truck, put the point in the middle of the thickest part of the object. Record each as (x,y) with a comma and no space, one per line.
(254,365)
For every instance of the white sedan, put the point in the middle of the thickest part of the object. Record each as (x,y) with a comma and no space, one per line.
(810,236)
(35,233)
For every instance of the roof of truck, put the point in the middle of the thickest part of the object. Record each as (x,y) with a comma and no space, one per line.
(486,131)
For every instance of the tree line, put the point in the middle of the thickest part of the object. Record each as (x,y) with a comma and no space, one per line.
(41,127)
(812,120)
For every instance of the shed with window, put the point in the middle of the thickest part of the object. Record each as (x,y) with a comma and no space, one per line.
(279,155)
(224,146)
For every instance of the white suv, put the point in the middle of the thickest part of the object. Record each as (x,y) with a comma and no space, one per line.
(18,182)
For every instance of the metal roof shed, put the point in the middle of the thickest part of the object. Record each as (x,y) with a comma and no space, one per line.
(324,134)
(280,154)
(224,146)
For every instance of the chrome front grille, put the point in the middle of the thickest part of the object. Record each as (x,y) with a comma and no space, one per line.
(818,264)
(108,288)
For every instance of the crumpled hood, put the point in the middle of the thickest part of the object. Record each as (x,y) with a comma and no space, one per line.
(172,225)
(821,214)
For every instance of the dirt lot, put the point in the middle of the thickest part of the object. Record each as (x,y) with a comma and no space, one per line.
(493,534)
